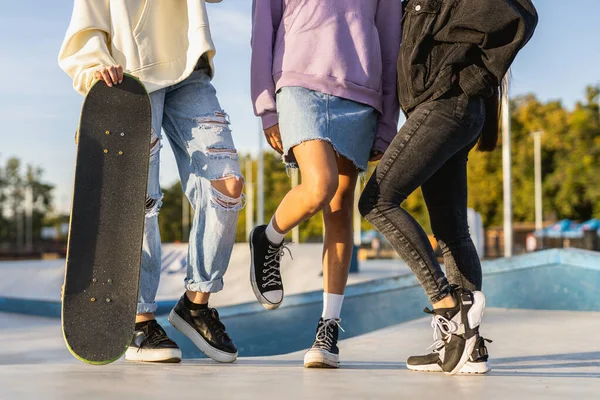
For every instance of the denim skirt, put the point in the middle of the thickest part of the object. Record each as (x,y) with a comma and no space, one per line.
(305,115)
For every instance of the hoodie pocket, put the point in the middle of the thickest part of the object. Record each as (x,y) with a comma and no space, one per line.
(143,18)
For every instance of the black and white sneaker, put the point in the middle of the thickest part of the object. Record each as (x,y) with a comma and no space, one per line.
(477,364)
(204,328)
(151,344)
(324,352)
(479,360)
(265,273)
(455,330)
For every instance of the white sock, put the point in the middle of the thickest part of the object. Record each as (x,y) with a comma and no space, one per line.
(332,305)
(274,236)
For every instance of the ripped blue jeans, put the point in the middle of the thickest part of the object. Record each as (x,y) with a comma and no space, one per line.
(198,132)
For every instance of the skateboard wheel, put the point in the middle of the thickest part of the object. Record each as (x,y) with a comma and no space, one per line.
(108,300)
(94,280)
(93,299)
(105,151)
(107,132)
(122,134)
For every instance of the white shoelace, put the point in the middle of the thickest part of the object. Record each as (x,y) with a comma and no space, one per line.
(272,262)
(325,333)
(442,329)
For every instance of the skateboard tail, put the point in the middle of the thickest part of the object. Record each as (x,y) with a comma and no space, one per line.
(91,362)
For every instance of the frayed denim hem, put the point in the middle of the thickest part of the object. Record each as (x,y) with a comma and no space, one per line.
(290,166)
(144,308)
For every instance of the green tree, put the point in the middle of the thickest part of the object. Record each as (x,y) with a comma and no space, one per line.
(570,155)
(14,182)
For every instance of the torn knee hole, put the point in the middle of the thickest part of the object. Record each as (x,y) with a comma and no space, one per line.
(225,202)
(231,186)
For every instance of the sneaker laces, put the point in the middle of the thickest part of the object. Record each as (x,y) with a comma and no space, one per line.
(155,335)
(443,328)
(214,322)
(324,337)
(272,261)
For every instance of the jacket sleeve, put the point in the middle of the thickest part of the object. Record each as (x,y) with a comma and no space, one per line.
(388,23)
(266,17)
(85,47)
(499,28)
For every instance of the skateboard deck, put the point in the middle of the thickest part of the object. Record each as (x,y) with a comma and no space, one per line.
(99,300)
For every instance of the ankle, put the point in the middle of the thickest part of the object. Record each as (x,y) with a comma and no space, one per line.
(273,233)
(197,301)
(197,297)
(145,317)
(446,302)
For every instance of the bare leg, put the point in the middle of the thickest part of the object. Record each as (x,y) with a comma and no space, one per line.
(338,243)
(317,162)
(144,317)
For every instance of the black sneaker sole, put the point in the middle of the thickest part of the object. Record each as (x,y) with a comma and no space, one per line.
(261,299)
(205,347)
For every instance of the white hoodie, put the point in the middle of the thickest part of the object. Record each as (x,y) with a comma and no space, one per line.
(158,41)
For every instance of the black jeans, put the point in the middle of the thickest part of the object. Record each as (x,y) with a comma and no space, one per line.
(430,151)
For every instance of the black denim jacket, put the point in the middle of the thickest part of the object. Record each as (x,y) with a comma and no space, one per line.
(475,39)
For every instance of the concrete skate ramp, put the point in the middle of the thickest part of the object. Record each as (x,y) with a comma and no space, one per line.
(550,280)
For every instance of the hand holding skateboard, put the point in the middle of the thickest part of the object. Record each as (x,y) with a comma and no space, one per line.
(111,75)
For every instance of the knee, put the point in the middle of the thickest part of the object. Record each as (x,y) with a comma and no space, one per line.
(320,192)
(227,193)
(367,201)
(373,198)
(231,187)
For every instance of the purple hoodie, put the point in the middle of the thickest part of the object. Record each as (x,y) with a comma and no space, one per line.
(345,48)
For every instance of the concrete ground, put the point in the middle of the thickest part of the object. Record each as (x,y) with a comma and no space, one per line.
(535,355)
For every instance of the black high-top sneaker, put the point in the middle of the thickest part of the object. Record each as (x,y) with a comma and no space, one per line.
(324,352)
(477,363)
(461,329)
(150,343)
(265,273)
(455,331)
(204,328)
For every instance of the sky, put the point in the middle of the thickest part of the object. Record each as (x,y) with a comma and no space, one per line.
(39,109)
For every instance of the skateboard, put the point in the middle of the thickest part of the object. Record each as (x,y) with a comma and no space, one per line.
(99,299)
